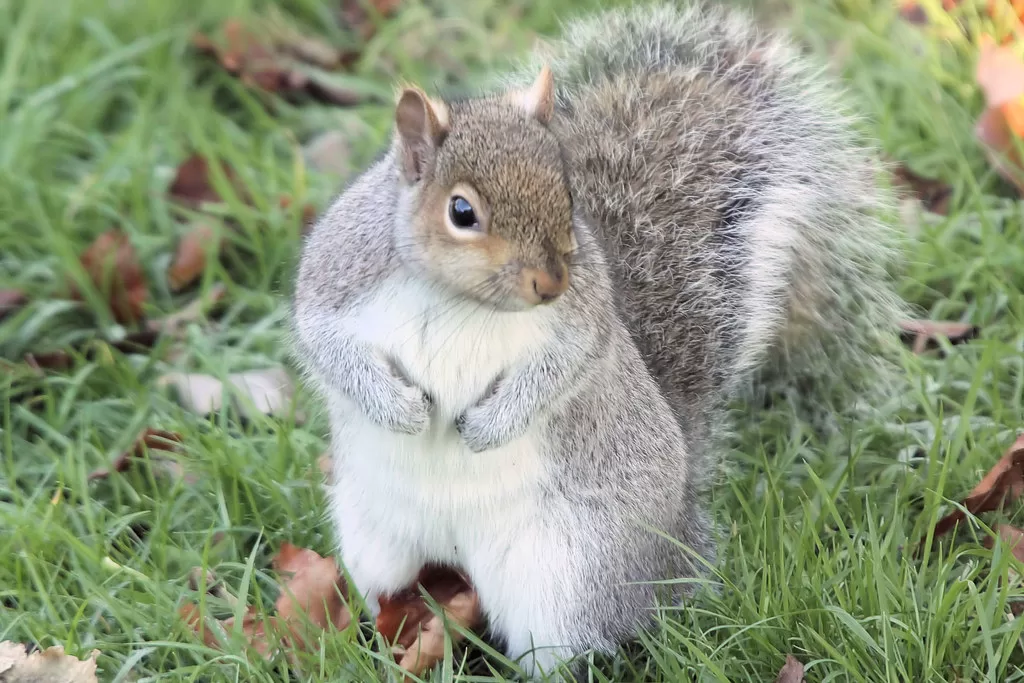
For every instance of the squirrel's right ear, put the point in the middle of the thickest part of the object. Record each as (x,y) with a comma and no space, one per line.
(421,124)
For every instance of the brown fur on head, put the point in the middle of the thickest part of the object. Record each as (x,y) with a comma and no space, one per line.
(489,208)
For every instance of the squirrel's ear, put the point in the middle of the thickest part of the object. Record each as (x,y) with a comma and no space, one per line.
(539,99)
(421,124)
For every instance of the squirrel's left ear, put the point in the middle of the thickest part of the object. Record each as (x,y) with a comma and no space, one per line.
(539,99)
(421,124)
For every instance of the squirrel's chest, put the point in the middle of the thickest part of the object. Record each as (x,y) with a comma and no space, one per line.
(451,348)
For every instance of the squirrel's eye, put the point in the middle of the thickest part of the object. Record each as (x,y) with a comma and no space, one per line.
(462,214)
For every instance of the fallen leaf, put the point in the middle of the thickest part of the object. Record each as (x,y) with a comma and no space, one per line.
(114,269)
(173,324)
(416,634)
(933,194)
(791,672)
(151,441)
(267,391)
(925,333)
(313,592)
(309,213)
(50,360)
(1000,75)
(272,66)
(1012,537)
(192,184)
(190,259)
(354,14)
(47,666)
(11,300)
(214,632)
(1004,483)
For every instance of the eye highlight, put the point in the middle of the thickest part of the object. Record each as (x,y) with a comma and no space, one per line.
(461,213)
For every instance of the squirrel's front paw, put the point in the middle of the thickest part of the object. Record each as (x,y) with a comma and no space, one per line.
(483,428)
(402,408)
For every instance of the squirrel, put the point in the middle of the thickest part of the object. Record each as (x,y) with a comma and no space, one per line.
(528,316)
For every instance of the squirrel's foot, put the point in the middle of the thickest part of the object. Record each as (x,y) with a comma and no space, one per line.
(406,410)
(486,426)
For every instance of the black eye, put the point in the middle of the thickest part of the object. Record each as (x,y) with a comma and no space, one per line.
(462,214)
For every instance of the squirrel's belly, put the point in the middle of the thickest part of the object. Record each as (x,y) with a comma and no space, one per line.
(431,493)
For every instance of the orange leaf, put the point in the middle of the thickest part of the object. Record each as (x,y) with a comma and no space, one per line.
(192,185)
(1012,537)
(792,671)
(314,588)
(11,300)
(114,269)
(190,258)
(925,333)
(407,622)
(148,440)
(1004,483)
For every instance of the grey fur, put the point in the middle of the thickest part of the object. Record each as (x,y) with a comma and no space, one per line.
(686,139)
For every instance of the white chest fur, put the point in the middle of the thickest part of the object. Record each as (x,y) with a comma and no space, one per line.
(429,491)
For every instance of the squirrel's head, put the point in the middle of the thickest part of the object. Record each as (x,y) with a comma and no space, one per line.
(484,200)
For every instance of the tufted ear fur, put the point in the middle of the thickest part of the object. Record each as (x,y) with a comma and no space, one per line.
(539,99)
(421,124)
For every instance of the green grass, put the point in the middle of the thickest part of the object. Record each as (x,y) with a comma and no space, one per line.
(100,100)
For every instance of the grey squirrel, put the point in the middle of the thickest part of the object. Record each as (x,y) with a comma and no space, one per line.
(528,317)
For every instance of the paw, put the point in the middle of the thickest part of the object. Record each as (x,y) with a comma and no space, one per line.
(483,428)
(410,411)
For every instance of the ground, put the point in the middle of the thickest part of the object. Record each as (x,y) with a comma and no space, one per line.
(100,100)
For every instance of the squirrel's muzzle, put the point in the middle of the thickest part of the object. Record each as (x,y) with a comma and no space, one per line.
(542,286)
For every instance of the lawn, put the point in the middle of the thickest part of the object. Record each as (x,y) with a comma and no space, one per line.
(101,100)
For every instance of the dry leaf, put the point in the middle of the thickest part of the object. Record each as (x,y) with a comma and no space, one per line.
(150,441)
(933,194)
(1011,536)
(193,187)
(309,212)
(416,633)
(190,259)
(925,333)
(266,391)
(11,300)
(47,666)
(50,360)
(354,14)
(313,592)
(275,68)
(791,672)
(114,269)
(1004,483)
(256,631)
(1000,74)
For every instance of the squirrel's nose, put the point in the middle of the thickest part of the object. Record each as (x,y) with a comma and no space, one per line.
(544,287)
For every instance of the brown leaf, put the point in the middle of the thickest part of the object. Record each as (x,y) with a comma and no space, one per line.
(933,194)
(193,186)
(1011,536)
(114,269)
(11,300)
(50,360)
(326,467)
(791,672)
(313,592)
(256,631)
(267,391)
(417,634)
(275,65)
(925,333)
(149,441)
(1003,484)
(309,212)
(1000,75)
(47,666)
(354,14)
(190,259)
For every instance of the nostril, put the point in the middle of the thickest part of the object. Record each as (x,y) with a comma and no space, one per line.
(535,290)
